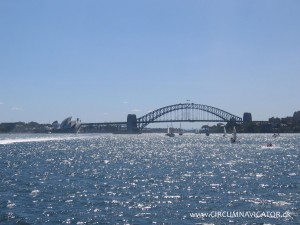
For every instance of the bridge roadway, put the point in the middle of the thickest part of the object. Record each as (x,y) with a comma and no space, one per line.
(160,121)
(104,123)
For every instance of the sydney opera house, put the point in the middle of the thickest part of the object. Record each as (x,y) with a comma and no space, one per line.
(67,126)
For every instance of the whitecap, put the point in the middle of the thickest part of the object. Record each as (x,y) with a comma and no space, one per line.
(259,175)
(172,196)
(146,215)
(280,203)
(281,194)
(40,139)
(67,221)
(10,204)
(34,193)
(263,185)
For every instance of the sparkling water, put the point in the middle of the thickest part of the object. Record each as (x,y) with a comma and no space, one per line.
(149,179)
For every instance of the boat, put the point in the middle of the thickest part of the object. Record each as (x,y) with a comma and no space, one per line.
(207,131)
(170,132)
(233,138)
(224,134)
(269,143)
(180,130)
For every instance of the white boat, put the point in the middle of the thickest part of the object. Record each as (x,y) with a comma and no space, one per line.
(170,132)
(233,138)
(224,134)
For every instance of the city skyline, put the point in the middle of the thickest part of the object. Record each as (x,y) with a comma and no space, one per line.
(100,61)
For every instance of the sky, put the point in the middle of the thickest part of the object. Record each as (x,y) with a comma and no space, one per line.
(100,60)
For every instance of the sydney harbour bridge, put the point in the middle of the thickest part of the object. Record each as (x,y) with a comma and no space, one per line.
(182,112)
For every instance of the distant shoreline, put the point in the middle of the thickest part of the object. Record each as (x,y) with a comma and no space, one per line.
(251,127)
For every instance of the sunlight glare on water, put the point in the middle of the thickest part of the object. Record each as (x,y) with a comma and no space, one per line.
(147,178)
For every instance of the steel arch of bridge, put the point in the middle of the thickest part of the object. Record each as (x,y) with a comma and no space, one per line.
(187,111)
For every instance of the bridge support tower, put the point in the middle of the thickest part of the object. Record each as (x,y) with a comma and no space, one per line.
(247,117)
(132,123)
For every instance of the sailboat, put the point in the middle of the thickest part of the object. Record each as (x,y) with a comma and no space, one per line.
(180,130)
(269,144)
(233,138)
(224,134)
(207,131)
(170,132)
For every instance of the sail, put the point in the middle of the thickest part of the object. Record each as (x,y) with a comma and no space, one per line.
(180,130)
(234,133)
(207,131)
(170,132)
(224,132)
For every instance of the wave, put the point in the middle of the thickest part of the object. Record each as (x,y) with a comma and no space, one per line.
(37,139)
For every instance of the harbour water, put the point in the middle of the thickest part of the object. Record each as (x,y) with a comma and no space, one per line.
(149,179)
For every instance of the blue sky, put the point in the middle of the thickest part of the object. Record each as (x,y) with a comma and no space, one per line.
(100,60)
